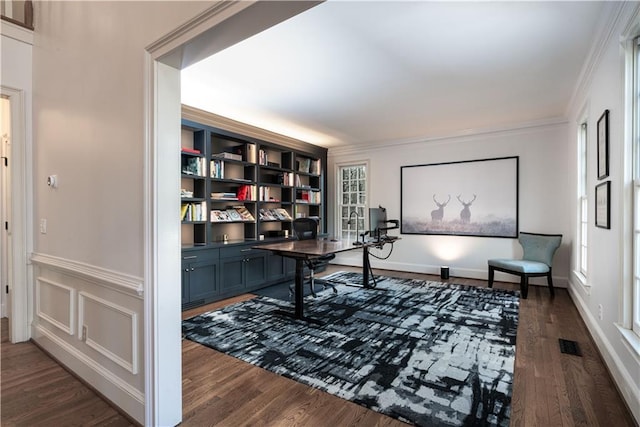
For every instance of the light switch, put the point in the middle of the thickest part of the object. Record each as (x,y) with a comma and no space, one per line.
(43,226)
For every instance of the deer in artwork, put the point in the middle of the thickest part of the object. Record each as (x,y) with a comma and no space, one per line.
(465,213)
(438,214)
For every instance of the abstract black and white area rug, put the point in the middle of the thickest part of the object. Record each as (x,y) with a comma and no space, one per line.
(427,353)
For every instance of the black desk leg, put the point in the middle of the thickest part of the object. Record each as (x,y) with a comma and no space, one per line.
(299,296)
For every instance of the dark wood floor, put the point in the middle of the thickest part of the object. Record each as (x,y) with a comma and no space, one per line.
(550,388)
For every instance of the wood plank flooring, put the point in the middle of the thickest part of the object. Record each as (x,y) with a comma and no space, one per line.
(550,388)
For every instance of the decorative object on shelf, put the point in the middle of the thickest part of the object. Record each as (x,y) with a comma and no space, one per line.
(486,191)
(603,205)
(603,145)
(444,272)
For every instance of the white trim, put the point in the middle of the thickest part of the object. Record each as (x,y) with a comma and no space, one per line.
(120,282)
(631,341)
(21,284)
(72,308)
(114,388)
(451,138)
(129,365)
(621,376)
(16,32)
(354,259)
(582,281)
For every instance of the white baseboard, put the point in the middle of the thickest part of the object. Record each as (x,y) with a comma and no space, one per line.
(114,389)
(621,376)
(467,273)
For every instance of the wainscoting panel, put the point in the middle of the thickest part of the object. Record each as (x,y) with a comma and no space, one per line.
(109,329)
(91,320)
(55,304)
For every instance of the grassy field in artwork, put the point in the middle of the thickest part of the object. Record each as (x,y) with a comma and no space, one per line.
(494,227)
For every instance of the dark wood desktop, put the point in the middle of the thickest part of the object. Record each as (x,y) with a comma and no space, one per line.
(302,250)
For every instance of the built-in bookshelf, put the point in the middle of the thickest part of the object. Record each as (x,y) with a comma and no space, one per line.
(238,191)
(237,188)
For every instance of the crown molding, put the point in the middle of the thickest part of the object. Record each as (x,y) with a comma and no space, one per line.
(214,120)
(615,11)
(453,138)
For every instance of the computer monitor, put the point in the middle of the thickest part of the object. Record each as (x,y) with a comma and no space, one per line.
(377,221)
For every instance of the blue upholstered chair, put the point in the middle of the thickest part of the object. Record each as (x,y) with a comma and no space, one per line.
(537,259)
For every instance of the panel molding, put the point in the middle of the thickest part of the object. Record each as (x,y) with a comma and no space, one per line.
(114,388)
(69,329)
(120,282)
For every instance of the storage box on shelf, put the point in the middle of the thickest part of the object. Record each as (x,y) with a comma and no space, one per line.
(242,191)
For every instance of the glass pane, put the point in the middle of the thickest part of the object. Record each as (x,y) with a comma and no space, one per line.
(345,198)
(353,186)
(362,199)
(354,199)
(345,174)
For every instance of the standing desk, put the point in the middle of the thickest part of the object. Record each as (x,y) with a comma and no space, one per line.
(303,250)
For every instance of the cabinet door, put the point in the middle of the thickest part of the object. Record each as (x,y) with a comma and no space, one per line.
(232,274)
(185,282)
(275,267)
(203,280)
(255,270)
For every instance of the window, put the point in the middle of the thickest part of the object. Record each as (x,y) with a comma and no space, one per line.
(635,291)
(583,202)
(352,200)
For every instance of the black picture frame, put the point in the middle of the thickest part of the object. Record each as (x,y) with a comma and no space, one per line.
(464,198)
(603,205)
(603,145)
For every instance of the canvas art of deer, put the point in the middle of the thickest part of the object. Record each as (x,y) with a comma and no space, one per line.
(465,213)
(438,214)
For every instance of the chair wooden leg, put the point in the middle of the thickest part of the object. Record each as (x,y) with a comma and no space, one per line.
(491,273)
(550,283)
(524,286)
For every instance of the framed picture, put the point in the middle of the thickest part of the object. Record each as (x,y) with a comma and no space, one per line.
(603,205)
(603,145)
(467,198)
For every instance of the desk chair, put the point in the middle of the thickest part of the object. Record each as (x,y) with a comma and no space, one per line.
(307,229)
(536,260)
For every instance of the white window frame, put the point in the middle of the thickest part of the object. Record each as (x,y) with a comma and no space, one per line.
(343,230)
(635,155)
(583,203)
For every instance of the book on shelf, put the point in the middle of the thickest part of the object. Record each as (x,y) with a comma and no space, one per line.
(219,216)
(244,213)
(267,215)
(190,150)
(314,167)
(228,156)
(216,169)
(263,157)
(234,215)
(246,192)
(194,166)
(193,211)
(224,196)
(282,214)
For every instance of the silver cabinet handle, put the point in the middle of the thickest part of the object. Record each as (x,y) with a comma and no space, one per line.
(190,257)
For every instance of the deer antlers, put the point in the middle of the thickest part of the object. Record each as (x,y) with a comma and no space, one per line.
(442,204)
(466,203)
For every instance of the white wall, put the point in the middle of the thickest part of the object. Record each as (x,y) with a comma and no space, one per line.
(89,121)
(604,88)
(16,80)
(543,197)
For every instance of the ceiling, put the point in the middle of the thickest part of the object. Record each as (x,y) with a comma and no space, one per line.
(366,72)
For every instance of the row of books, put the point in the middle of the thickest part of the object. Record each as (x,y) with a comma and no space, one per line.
(193,211)
(305,196)
(275,214)
(244,192)
(234,214)
(194,166)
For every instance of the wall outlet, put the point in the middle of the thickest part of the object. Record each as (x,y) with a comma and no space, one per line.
(600,315)
(43,226)
(84,333)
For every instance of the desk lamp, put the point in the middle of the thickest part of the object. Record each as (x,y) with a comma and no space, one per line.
(356,243)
